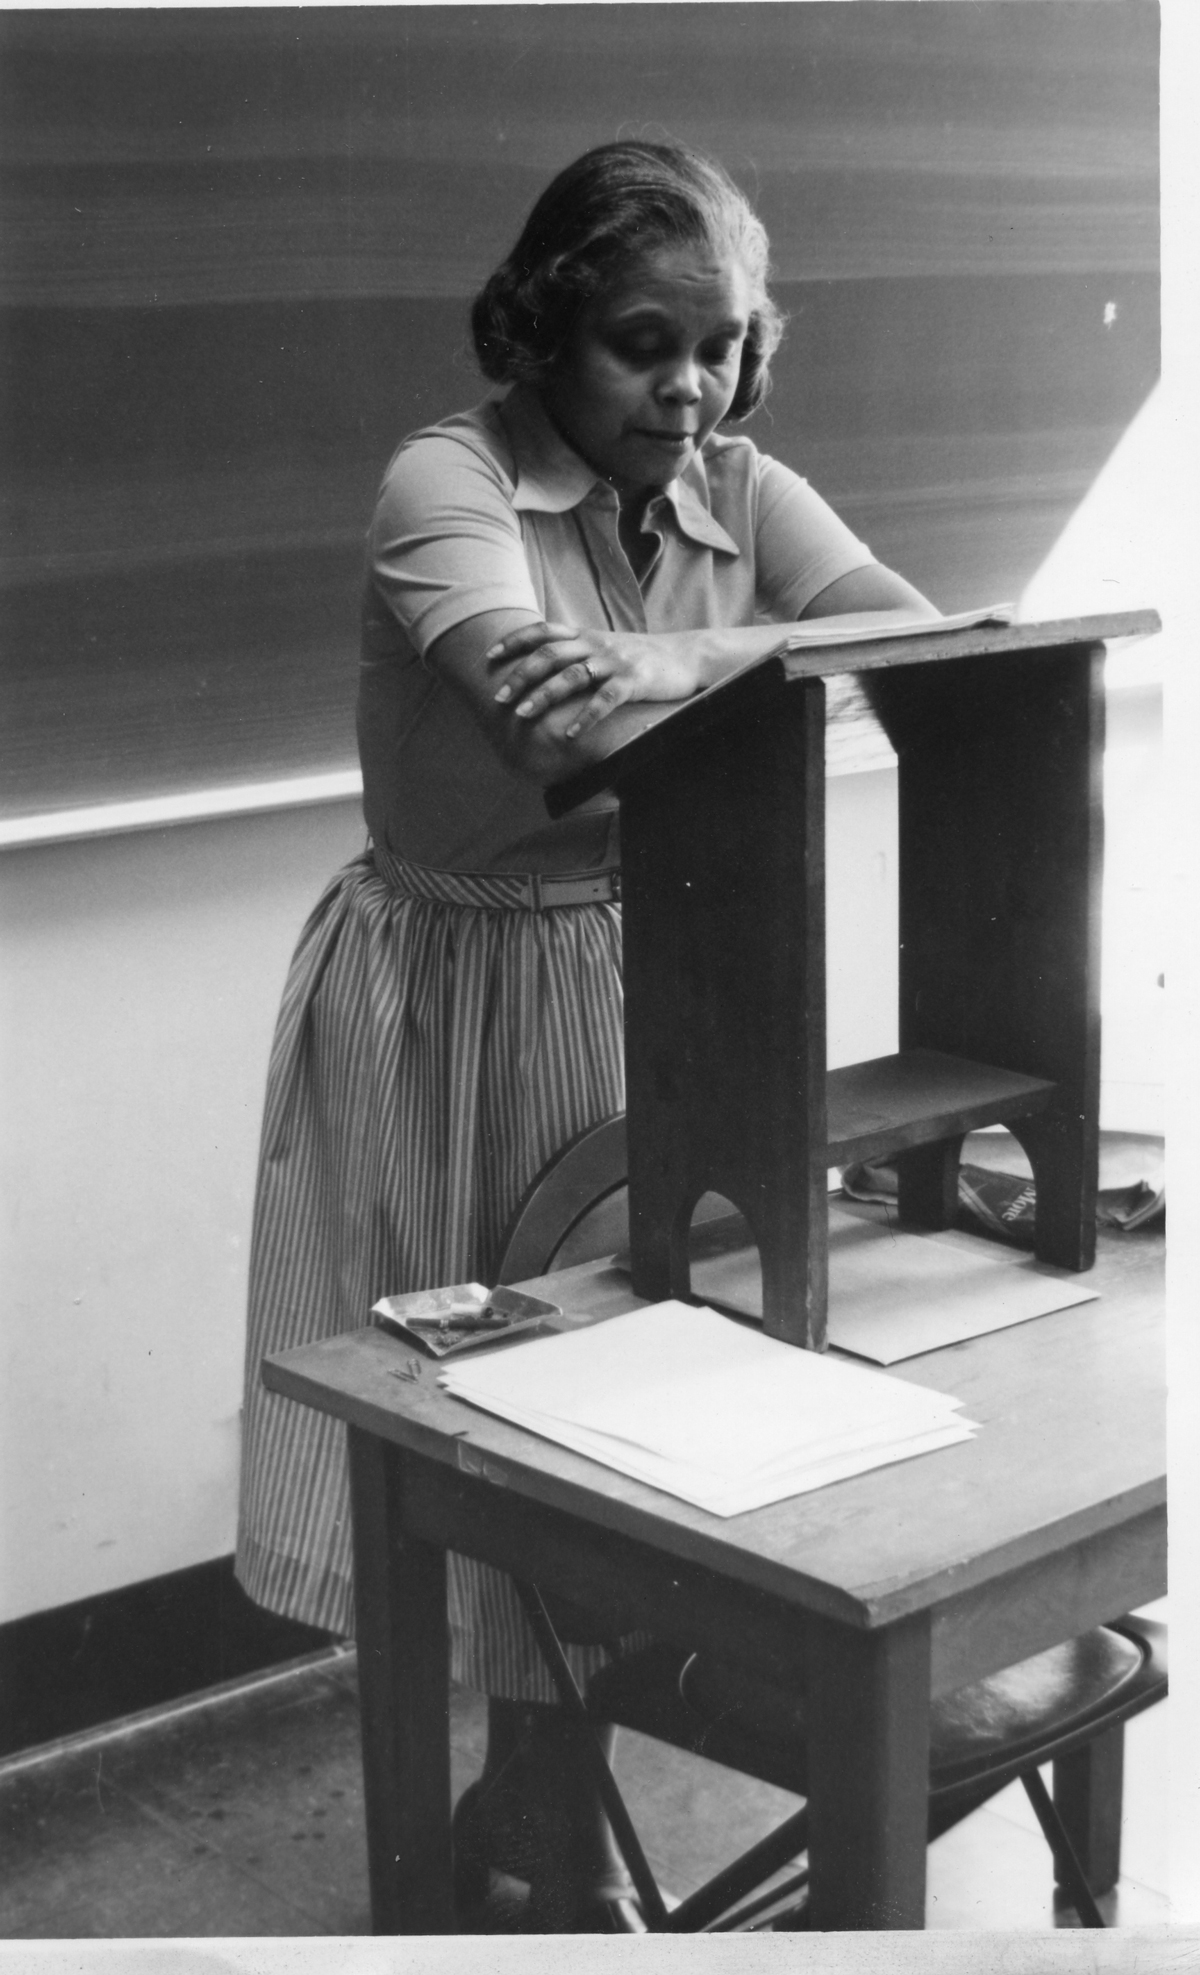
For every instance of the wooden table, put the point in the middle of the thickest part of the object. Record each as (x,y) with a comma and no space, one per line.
(879,1592)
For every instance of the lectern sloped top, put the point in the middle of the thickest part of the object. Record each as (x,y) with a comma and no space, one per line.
(922,646)
(999,733)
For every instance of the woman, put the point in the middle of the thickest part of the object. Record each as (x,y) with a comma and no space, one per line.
(588,541)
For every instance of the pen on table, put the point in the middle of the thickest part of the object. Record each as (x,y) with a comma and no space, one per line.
(486,1320)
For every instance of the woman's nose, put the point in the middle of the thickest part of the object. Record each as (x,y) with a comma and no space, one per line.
(681,383)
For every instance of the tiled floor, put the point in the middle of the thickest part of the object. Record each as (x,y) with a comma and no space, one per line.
(243,1815)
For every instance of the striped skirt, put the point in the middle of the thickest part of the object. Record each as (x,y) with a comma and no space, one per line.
(436,1045)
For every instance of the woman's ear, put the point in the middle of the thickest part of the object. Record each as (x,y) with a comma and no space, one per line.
(752,377)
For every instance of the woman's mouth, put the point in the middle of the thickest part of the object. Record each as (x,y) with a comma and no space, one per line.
(676,441)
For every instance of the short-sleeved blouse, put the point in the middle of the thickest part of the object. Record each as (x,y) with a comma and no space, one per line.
(493,510)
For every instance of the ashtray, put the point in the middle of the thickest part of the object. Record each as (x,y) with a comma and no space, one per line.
(462,1318)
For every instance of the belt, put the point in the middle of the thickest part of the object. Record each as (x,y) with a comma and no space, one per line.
(543,894)
(520,891)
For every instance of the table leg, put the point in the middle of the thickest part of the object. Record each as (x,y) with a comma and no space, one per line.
(404,1694)
(868,1774)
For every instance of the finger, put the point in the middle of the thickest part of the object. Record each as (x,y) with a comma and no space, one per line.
(537,632)
(526,638)
(540,666)
(531,667)
(613,692)
(567,682)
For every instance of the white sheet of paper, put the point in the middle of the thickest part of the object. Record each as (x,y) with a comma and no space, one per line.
(894,1294)
(718,1414)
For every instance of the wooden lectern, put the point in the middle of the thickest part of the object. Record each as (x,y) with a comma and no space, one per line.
(999,733)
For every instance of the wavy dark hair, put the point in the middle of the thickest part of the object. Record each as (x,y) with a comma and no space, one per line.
(604,212)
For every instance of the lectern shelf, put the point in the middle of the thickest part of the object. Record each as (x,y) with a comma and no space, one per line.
(999,732)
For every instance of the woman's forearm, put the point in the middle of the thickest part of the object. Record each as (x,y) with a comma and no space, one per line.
(712,655)
(871,592)
(553,741)
(543,667)
(553,699)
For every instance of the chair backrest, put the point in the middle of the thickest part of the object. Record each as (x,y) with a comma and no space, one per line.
(575,1210)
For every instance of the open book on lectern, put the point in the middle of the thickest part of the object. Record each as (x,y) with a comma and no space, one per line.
(863,627)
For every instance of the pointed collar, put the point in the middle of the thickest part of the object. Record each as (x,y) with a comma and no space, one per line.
(552,478)
(692,511)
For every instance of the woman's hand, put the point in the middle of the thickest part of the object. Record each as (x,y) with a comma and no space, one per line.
(552,663)
(581,677)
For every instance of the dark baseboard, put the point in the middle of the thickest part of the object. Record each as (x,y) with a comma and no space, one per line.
(82,1665)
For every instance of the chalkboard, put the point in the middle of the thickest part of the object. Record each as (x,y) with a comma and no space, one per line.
(238,247)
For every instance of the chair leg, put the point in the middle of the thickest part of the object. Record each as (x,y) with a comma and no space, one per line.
(717,1895)
(1070,1872)
(653,1905)
(743,1876)
(785,1919)
(1087,1796)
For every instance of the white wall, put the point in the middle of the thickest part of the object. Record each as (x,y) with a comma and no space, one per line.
(139,981)
(862,922)
(861,910)
(1122,549)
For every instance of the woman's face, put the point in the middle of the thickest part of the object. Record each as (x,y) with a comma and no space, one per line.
(651,367)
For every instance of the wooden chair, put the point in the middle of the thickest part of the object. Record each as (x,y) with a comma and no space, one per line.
(576,1209)
(1066,1706)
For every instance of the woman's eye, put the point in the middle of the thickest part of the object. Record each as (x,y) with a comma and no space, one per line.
(639,349)
(649,346)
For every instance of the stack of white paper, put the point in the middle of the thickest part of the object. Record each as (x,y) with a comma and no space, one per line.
(698,1405)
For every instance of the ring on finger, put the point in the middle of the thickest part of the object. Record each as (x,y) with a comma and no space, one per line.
(593,675)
